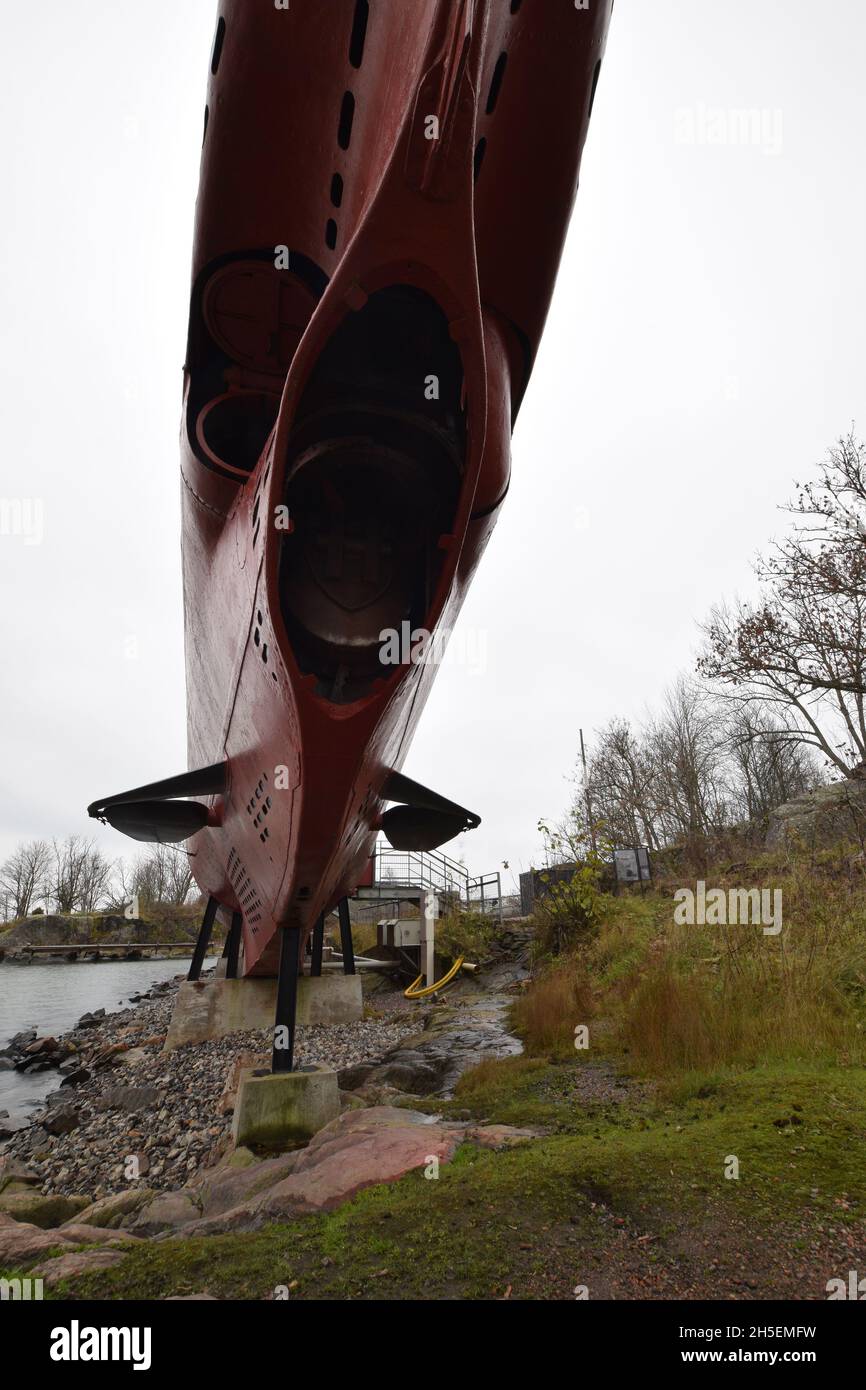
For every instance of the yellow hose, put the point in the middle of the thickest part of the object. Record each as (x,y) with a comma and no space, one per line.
(413,992)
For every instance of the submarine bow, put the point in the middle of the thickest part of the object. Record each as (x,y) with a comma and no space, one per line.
(384,194)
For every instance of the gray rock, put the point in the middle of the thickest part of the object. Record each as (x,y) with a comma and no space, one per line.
(91,1020)
(827,816)
(167,1212)
(42,1211)
(40,1046)
(61,1120)
(112,1212)
(76,1077)
(132,1099)
(410,1073)
(9,1127)
(14,1173)
(350,1078)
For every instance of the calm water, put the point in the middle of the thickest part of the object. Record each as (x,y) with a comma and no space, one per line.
(52,997)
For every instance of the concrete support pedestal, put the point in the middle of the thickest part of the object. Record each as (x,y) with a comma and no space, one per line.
(206,1009)
(284,1108)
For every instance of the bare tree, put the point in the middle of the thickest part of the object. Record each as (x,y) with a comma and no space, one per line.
(81,875)
(767,769)
(700,766)
(688,757)
(96,879)
(25,876)
(620,779)
(801,650)
(118,893)
(834,506)
(162,875)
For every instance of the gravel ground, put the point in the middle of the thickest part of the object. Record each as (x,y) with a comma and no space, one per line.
(163,1110)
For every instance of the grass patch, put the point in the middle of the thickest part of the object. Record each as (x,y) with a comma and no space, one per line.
(676,1022)
(506,1091)
(558,998)
(530,1217)
(755,1047)
(465,933)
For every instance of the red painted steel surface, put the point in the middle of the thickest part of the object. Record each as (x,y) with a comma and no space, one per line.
(316,139)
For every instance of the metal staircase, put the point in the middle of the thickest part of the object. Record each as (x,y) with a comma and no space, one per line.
(408,872)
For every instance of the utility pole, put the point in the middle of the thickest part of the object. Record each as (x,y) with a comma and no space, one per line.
(589,819)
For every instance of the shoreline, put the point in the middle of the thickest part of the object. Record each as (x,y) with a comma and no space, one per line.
(44,1000)
(90,955)
(122,1105)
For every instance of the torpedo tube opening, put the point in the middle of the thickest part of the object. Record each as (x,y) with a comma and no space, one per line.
(247,317)
(235,427)
(373,483)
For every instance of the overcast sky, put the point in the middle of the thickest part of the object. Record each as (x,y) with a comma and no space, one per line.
(704,348)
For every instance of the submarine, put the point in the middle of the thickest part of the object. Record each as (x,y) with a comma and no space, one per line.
(384,194)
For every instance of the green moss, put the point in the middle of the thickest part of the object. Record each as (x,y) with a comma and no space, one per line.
(512,1217)
(623,1164)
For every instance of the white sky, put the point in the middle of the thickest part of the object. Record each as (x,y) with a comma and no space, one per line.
(704,348)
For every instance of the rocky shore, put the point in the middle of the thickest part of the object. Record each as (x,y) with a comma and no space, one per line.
(136,1145)
(124,1110)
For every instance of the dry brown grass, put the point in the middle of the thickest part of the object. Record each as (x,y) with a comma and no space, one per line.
(496,1073)
(557,1000)
(698,998)
(673,1022)
(691,1022)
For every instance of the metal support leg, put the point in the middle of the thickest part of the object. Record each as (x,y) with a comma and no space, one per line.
(203,941)
(287,1000)
(318,944)
(233,946)
(346,946)
(427,908)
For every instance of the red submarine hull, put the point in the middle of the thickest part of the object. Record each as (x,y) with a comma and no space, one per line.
(385,191)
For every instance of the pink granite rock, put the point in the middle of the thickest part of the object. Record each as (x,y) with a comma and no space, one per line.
(22,1244)
(500,1136)
(358,1149)
(76,1263)
(358,1160)
(221,1189)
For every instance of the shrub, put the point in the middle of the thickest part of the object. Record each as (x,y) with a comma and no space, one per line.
(465,933)
(569,911)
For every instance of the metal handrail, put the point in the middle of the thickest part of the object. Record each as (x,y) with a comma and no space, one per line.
(430,869)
